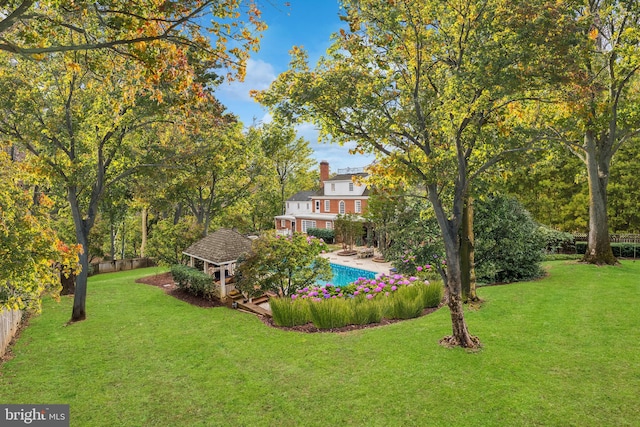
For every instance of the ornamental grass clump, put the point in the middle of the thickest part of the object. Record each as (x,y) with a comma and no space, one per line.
(330,313)
(407,303)
(287,312)
(366,311)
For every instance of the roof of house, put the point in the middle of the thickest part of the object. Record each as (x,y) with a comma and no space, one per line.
(301,196)
(220,247)
(320,193)
(347,176)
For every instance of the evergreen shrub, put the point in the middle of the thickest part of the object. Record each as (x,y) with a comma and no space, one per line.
(195,281)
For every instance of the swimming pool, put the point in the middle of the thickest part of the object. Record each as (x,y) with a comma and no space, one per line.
(343,275)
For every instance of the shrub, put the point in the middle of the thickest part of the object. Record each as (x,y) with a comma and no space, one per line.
(557,242)
(326,234)
(195,282)
(281,264)
(509,246)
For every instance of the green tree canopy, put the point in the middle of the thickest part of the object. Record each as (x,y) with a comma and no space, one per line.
(433,89)
(283,264)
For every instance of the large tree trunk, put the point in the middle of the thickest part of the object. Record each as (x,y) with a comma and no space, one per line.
(599,246)
(450,233)
(80,296)
(467,254)
(460,333)
(82,227)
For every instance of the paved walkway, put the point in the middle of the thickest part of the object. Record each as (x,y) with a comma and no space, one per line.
(363,263)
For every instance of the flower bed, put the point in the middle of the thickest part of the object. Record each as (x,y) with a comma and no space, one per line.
(362,302)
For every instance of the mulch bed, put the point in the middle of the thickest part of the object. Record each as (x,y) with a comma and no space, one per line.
(310,329)
(165,281)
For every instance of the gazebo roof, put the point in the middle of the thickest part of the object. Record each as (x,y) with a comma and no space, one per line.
(220,247)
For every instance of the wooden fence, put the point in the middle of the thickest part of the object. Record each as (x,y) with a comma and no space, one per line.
(614,238)
(9,322)
(120,265)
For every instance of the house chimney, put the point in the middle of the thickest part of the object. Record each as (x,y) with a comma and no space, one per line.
(324,172)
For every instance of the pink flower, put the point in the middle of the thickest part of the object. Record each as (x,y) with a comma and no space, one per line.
(428,266)
(294,296)
(386,294)
(393,288)
(369,296)
(419,268)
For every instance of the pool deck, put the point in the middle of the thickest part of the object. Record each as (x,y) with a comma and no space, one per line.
(362,263)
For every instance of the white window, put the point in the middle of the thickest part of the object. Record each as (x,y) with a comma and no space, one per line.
(307,206)
(341,207)
(327,205)
(283,223)
(307,224)
(298,205)
(358,206)
(351,186)
(317,205)
(333,187)
(328,225)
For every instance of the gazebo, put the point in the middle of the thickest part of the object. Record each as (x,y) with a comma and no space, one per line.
(219,251)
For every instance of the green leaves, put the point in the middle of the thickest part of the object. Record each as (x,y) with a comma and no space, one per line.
(283,264)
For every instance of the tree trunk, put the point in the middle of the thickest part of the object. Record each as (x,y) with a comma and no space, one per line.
(177,214)
(112,249)
(460,334)
(450,230)
(68,284)
(144,230)
(124,240)
(82,227)
(599,246)
(467,253)
(80,295)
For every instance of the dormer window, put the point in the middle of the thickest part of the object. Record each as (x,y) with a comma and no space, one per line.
(351,186)
(333,186)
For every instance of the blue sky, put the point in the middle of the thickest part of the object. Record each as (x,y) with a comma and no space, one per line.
(306,23)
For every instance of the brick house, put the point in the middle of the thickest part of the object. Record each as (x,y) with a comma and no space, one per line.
(340,194)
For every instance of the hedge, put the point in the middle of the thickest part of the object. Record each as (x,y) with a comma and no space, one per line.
(326,234)
(195,281)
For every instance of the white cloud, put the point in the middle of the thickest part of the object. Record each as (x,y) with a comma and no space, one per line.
(259,76)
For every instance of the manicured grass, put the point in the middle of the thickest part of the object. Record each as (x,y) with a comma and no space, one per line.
(562,351)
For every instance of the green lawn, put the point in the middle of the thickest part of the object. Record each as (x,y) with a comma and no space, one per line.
(562,351)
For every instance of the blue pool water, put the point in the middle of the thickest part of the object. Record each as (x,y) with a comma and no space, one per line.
(343,275)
